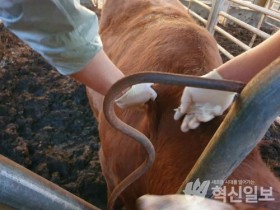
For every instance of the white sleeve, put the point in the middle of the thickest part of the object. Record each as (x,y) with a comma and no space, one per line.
(63,31)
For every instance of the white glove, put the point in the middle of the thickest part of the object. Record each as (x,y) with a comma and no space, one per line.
(180,202)
(137,95)
(202,105)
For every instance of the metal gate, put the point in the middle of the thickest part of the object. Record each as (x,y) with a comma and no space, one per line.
(270,14)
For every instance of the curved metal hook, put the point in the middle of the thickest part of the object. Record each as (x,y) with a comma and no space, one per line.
(154,77)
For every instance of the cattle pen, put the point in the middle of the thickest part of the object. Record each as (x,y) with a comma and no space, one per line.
(222,12)
(34,109)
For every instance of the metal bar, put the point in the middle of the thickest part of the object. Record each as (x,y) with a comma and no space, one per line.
(100,4)
(259,25)
(205,6)
(221,31)
(227,35)
(23,189)
(214,14)
(232,38)
(271,24)
(273,2)
(225,52)
(246,26)
(94,2)
(154,77)
(257,8)
(244,126)
(197,16)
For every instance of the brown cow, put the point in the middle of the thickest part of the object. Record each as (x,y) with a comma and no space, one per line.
(159,35)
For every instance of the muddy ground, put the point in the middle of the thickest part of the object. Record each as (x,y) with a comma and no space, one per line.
(46,123)
(47,126)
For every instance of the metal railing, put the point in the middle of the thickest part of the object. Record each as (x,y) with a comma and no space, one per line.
(23,189)
(216,11)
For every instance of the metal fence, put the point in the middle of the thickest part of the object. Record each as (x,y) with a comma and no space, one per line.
(218,9)
(270,14)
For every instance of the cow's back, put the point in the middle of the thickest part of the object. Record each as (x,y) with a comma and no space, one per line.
(158,35)
(154,36)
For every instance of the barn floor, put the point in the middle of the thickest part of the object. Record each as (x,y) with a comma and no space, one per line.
(47,126)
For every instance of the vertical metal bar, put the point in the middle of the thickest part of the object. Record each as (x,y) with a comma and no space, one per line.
(217,6)
(100,4)
(259,24)
(244,126)
(23,189)
(223,50)
(94,2)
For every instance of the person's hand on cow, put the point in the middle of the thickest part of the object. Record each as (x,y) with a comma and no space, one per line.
(137,95)
(202,105)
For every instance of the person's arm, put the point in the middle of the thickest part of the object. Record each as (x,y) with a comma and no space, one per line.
(245,66)
(202,105)
(66,35)
(62,31)
(99,74)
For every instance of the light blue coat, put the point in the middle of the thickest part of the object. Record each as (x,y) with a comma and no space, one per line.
(63,31)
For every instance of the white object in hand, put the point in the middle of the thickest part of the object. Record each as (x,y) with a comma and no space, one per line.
(137,95)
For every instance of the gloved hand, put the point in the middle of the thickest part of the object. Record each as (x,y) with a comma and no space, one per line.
(137,95)
(202,105)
